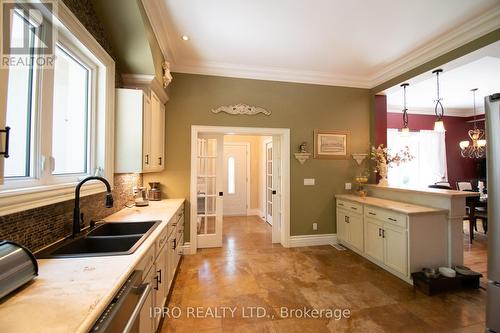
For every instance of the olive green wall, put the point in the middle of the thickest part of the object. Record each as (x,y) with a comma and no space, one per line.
(300,107)
(131,36)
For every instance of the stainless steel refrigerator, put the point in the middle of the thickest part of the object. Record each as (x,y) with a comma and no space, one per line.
(492,110)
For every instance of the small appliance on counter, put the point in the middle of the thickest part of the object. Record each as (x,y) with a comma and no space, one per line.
(155,192)
(17,266)
(141,196)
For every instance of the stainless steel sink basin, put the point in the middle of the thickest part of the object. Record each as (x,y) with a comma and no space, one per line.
(122,228)
(109,239)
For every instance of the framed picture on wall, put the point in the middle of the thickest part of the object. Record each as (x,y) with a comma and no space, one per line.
(332,144)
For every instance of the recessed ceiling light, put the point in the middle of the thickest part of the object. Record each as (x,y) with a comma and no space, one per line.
(184,37)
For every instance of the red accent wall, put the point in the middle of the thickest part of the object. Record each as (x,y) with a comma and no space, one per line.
(381,120)
(459,168)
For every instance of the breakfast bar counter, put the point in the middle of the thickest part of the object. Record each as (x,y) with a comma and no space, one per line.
(452,201)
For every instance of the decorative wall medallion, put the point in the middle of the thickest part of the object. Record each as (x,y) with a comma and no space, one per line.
(241,109)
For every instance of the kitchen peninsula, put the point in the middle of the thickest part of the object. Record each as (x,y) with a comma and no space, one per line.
(453,201)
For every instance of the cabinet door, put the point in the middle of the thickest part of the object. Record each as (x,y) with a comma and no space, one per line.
(395,249)
(161,280)
(171,257)
(146,321)
(355,231)
(146,135)
(374,243)
(157,133)
(341,225)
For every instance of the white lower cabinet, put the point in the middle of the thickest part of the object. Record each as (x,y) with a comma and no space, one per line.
(350,226)
(387,244)
(159,266)
(374,243)
(401,243)
(395,248)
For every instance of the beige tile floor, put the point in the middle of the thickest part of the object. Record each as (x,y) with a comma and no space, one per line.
(248,271)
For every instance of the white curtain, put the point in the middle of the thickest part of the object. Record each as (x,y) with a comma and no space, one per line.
(429,163)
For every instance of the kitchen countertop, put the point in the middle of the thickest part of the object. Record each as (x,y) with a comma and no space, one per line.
(70,294)
(428,191)
(400,207)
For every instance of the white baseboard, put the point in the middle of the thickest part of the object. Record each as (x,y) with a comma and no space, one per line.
(186,248)
(254,211)
(313,240)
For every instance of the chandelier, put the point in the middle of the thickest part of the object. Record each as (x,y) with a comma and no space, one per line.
(475,147)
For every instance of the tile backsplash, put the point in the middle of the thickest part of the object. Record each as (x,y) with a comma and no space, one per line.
(39,227)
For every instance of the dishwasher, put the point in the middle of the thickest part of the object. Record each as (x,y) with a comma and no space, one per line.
(123,313)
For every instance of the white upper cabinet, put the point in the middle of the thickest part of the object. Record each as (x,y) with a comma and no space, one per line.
(140,127)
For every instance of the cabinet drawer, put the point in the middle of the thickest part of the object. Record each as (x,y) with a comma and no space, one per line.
(162,239)
(146,262)
(350,206)
(385,215)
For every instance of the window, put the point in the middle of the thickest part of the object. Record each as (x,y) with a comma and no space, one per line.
(231,182)
(60,116)
(70,124)
(429,163)
(19,106)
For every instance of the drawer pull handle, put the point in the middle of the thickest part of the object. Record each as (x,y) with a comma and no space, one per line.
(379,232)
(340,204)
(159,279)
(383,233)
(371,213)
(354,208)
(391,219)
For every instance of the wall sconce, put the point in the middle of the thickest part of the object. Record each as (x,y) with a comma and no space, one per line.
(302,156)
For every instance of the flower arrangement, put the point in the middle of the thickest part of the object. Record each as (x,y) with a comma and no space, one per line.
(385,160)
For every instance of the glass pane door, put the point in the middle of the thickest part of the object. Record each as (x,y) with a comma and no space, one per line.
(209,191)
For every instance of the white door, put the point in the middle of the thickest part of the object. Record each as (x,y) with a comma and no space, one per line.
(235,179)
(276,189)
(209,190)
(269,181)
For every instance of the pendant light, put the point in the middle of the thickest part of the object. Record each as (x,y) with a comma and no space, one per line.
(438,108)
(474,148)
(405,128)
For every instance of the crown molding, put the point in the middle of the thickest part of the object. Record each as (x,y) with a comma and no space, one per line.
(145,82)
(272,74)
(443,44)
(156,12)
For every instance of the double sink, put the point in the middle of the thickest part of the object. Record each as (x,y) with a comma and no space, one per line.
(108,239)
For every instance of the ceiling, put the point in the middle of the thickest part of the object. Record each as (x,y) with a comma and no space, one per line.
(479,69)
(350,43)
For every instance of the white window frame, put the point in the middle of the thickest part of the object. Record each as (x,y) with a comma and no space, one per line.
(23,194)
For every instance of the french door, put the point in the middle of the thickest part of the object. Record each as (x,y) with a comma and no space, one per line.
(269,181)
(209,190)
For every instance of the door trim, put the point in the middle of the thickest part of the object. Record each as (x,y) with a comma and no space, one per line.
(284,133)
(248,151)
(264,180)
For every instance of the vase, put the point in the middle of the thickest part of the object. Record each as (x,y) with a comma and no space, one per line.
(382,170)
